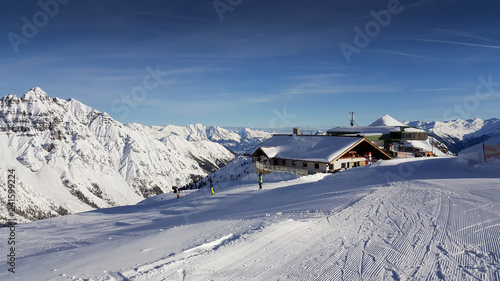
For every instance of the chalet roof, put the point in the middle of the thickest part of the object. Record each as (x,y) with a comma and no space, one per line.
(374,130)
(365,130)
(322,149)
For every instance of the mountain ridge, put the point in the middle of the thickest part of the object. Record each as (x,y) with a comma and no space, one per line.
(70,157)
(460,134)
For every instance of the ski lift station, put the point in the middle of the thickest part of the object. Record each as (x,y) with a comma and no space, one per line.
(387,133)
(342,148)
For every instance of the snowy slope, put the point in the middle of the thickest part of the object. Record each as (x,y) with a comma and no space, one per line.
(70,157)
(474,155)
(408,219)
(460,134)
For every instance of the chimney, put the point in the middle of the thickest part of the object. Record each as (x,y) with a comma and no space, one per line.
(296,131)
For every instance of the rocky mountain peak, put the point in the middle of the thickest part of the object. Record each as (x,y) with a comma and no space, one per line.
(73,158)
(36,94)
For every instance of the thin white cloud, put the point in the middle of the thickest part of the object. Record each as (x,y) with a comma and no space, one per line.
(436,89)
(320,76)
(330,89)
(416,4)
(311,90)
(458,43)
(462,34)
(402,54)
(215,19)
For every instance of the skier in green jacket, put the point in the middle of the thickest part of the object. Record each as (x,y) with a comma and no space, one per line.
(260,180)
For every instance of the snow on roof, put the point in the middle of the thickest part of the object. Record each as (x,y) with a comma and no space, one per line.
(382,126)
(387,120)
(365,130)
(307,148)
(413,130)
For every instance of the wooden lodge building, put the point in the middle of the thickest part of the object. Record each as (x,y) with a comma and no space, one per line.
(309,154)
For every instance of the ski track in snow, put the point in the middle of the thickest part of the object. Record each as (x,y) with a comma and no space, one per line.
(393,242)
(420,229)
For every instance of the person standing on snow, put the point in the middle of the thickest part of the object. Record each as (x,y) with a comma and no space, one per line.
(260,180)
(212,188)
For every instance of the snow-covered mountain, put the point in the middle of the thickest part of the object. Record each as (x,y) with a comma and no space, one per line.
(237,140)
(386,120)
(69,157)
(460,134)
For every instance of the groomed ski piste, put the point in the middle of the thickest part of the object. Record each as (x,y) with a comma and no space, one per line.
(408,219)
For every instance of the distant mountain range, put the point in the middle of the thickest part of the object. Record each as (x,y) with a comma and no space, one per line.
(237,140)
(69,157)
(460,134)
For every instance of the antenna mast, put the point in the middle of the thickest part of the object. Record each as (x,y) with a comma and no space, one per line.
(351,119)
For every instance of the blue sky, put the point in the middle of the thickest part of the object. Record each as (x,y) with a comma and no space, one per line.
(258,64)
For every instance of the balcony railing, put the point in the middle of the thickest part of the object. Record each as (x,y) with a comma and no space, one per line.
(280,169)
